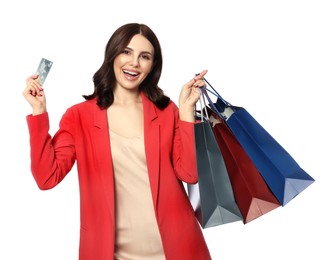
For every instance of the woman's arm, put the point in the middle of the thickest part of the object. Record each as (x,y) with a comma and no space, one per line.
(51,157)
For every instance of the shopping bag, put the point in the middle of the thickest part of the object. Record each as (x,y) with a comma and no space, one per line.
(212,197)
(281,172)
(253,196)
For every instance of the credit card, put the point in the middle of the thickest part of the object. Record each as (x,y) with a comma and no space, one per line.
(43,70)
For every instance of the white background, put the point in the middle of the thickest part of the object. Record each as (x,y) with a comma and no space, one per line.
(275,58)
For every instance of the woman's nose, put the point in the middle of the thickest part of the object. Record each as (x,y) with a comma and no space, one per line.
(135,61)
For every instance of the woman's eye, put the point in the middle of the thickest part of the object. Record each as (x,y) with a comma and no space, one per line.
(126,51)
(146,57)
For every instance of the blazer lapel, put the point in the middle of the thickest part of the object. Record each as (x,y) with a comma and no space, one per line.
(152,144)
(102,153)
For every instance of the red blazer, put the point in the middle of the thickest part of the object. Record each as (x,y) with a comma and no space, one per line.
(83,137)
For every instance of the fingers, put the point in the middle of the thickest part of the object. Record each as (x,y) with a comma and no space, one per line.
(190,93)
(191,87)
(198,80)
(202,74)
(33,87)
(34,76)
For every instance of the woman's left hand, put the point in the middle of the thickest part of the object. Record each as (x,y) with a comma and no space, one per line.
(189,96)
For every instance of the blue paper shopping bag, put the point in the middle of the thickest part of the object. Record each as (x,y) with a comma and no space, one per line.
(281,172)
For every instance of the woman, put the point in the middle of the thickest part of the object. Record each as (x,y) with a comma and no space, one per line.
(133,149)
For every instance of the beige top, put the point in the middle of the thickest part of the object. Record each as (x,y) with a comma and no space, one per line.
(137,235)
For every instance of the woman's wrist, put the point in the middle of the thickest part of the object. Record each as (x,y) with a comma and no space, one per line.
(38,111)
(186,113)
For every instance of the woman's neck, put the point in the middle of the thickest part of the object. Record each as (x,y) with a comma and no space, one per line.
(127,97)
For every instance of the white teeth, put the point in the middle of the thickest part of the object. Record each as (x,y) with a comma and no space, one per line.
(130,73)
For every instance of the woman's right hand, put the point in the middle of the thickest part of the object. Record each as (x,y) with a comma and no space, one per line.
(34,94)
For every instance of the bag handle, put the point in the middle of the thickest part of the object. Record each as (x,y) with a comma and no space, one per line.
(214,92)
(212,105)
(203,108)
(227,106)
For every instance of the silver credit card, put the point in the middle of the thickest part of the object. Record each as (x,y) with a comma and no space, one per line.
(43,70)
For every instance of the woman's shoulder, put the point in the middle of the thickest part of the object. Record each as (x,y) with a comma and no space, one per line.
(171,111)
(86,105)
(171,106)
(83,109)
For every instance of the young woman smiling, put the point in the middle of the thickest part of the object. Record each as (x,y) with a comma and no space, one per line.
(134,148)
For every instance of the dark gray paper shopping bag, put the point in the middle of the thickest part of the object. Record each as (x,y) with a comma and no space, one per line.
(212,197)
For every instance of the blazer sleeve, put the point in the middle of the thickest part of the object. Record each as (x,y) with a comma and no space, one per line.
(51,157)
(184,157)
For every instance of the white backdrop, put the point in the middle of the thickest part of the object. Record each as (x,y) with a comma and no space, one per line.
(275,58)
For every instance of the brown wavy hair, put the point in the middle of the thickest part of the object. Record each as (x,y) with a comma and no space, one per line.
(104,79)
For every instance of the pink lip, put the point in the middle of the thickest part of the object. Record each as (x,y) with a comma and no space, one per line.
(129,76)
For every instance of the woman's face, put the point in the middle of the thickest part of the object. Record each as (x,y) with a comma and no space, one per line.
(133,65)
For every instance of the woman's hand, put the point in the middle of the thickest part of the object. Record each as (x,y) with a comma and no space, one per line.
(34,94)
(189,96)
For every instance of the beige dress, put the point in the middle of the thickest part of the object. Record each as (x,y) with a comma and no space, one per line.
(136,230)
